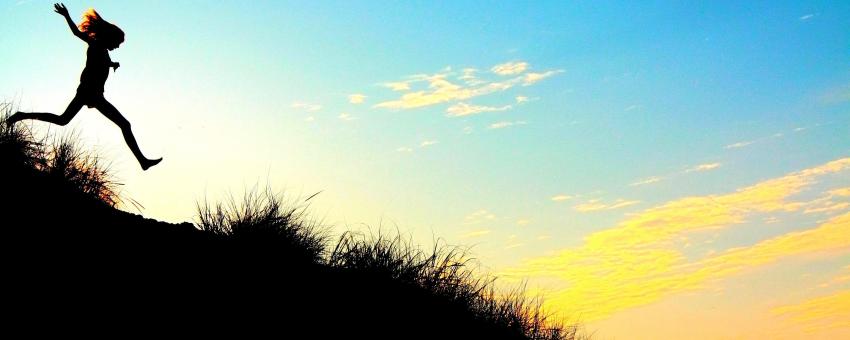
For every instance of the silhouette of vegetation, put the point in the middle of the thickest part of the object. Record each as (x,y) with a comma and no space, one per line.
(262,218)
(249,268)
(446,273)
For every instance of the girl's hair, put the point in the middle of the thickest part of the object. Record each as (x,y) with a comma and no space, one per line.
(101,30)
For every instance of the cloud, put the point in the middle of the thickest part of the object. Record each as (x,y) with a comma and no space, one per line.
(439,89)
(558,198)
(510,68)
(828,207)
(828,204)
(504,124)
(739,145)
(346,117)
(650,180)
(478,217)
(521,99)
(704,167)
(306,106)
(523,222)
(531,77)
(842,278)
(469,78)
(356,98)
(820,313)
(640,260)
(598,205)
(309,119)
(397,86)
(807,17)
(476,233)
(404,149)
(427,143)
(836,95)
(463,109)
(839,192)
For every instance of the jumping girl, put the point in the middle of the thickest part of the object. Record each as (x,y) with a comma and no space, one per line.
(102,37)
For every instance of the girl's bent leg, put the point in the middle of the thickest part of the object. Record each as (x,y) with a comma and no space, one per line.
(73,108)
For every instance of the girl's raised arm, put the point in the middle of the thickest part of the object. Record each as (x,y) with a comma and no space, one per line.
(61,9)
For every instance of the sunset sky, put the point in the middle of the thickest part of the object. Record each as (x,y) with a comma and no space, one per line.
(658,170)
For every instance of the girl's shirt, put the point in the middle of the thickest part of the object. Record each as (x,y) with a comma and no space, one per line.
(97,68)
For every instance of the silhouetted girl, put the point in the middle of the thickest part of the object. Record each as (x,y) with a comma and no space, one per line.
(102,37)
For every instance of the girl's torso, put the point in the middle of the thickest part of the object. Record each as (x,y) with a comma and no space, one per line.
(97,69)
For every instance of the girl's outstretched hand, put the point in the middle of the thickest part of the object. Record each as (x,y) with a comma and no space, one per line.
(61,9)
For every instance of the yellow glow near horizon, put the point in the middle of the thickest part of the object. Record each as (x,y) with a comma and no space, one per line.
(637,262)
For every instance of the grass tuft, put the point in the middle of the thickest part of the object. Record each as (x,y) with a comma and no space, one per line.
(60,162)
(447,273)
(264,218)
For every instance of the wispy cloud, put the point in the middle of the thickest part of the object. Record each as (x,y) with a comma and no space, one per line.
(439,88)
(739,145)
(844,192)
(531,78)
(356,98)
(469,77)
(346,117)
(558,198)
(510,68)
(504,124)
(475,233)
(599,205)
(836,95)
(479,216)
(514,245)
(309,107)
(703,167)
(463,109)
(807,17)
(640,260)
(842,278)
(820,313)
(645,181)
(397,86)
(632,108)
(404,149)
(427,143)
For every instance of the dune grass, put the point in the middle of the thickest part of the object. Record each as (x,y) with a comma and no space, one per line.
(447,273)
(441,283)
(444,274)
(263,217)
(59,161)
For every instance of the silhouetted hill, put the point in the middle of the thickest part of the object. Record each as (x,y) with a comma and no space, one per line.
(74,264)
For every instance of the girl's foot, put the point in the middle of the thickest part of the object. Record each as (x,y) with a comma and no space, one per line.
(150,162)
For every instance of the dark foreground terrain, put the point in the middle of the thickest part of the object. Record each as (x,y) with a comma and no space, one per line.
(75,265)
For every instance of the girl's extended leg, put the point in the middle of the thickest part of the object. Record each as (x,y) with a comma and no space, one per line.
(73,108)
(112,113)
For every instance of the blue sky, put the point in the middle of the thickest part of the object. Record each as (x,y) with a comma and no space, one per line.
(523,129)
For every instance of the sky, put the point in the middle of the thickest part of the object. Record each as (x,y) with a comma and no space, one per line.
(654,169)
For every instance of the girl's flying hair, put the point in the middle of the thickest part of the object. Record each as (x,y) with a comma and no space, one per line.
(100,30)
